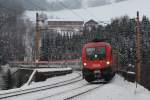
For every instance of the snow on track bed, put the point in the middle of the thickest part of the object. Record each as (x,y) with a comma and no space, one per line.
(72,93)
(14,93)
(83,91)
(117,89)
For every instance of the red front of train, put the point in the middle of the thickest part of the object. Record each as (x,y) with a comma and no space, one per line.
(97,60)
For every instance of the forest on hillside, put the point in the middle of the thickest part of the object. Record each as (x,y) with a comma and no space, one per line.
(17,39)
(13,31)
(120,33)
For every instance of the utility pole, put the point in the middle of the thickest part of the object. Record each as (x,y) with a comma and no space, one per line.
(138,47)
(37,38)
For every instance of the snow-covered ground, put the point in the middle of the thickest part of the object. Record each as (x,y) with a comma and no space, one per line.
(49,81)
(118,89)
(102,13)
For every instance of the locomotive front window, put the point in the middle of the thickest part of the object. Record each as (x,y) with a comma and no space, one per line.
(98,53)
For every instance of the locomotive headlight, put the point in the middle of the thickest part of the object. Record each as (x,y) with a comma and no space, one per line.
(107,62)
(84,64)
(37,61)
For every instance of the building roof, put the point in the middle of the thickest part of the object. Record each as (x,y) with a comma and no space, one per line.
(91,21)
(65,23)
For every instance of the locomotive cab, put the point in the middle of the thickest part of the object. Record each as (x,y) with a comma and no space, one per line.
(97,61)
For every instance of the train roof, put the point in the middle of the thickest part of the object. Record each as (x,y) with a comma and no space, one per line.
(95,44)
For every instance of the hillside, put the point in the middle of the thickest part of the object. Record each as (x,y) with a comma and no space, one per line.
(56,5)
(34,5)
(102,13)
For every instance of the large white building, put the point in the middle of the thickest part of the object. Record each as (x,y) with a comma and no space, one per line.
(66,27)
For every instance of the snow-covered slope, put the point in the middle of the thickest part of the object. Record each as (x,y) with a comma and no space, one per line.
(118,89)
(102,13)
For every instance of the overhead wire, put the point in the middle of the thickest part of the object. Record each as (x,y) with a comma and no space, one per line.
(9,9)
(91,14)
(30,1)
(15,10)
(12,15)
(76,14)
(35,5)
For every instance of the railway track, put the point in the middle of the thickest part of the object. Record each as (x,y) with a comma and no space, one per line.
(81,93)
(12,94)
(73,92)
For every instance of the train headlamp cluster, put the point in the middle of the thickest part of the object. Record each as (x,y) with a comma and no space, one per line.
(107,62)
(84,64)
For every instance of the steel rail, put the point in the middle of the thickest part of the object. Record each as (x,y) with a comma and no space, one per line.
(41,88)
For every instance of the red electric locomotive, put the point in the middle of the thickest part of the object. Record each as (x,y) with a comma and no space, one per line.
(97,60)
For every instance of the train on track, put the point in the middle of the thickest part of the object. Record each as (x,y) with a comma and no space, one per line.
(98,61)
